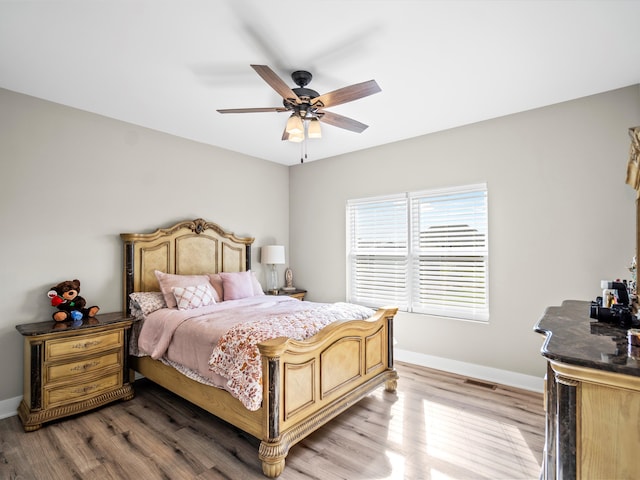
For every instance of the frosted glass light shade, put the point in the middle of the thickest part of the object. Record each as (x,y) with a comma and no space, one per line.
(314,128)
(296,137)
(294,125)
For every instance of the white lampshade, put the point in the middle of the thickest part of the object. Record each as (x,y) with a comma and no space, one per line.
(273,254)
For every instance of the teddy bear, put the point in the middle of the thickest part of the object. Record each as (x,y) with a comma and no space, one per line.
(71,306)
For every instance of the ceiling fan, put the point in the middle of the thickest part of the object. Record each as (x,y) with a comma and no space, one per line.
(307,107)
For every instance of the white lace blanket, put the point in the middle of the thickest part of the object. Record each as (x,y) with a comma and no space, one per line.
(237,357)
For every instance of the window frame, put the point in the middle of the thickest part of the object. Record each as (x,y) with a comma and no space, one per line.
(467,277)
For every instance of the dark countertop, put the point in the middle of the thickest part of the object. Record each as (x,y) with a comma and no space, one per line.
(51,326)
(572,337)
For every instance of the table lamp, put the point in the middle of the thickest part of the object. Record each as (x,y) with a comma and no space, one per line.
(272,255)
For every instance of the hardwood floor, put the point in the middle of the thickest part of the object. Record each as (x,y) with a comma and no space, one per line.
(438,426)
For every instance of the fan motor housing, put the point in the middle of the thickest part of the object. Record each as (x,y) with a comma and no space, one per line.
(305,92)
(302,79)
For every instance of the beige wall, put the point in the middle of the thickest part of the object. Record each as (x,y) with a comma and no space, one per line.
(72,181)
(560,218)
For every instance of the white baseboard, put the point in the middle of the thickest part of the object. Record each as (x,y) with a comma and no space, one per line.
(9,407)
(495,375)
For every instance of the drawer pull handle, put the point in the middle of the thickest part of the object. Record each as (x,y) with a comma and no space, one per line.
(85,367)
(86,345)
(85,389)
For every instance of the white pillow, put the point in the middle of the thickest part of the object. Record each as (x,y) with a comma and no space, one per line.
(257,288)
(193,296)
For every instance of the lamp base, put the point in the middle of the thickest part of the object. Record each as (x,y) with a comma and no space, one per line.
(272,279)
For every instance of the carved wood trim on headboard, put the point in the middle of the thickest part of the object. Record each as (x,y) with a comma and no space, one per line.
(187,248)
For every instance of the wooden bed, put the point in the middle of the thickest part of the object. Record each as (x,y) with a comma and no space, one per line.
(305,383)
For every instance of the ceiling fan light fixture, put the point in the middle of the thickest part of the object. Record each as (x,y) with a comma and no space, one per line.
(294,125)
(296,137)
(314,128)
(306,106)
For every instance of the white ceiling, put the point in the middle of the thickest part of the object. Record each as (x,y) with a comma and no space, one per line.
(168,65)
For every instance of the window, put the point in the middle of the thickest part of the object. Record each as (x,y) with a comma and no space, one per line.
(425,252)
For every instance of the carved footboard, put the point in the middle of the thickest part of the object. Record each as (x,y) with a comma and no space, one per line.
(307,383)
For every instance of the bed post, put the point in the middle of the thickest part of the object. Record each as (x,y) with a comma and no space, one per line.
(392,384)
(273,450)
(274,388)
(128,277)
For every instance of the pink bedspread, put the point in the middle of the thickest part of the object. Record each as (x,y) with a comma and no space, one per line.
(187,338)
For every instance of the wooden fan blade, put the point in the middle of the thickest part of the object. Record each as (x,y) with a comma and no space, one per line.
(342,121)
(285,134)
(252,110)
(347,94)
(276,83)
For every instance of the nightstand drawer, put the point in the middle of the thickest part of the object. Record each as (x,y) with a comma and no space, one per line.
(60,371)
(82,345)
(76,392)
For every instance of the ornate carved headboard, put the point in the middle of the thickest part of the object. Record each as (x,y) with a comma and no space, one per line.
(187,248)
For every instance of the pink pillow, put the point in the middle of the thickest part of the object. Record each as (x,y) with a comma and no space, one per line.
(237,285)
(216,282)
(168,280)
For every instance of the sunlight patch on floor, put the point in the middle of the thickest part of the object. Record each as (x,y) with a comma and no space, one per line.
(476,443)
(397,462)
(449,442)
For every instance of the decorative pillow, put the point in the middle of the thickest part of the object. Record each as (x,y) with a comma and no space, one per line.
(168,280)
(193,297)
(237,285)
(148,302)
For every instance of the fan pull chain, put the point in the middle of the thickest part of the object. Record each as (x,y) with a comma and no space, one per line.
(305,149)
(303,144)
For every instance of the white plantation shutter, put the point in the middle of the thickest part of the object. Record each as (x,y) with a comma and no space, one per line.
(378,250)
(449,252)
(424,252)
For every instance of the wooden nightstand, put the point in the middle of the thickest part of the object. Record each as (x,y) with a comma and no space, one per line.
(297,293)
(71,368)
